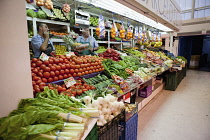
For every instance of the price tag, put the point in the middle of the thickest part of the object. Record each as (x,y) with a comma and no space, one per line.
(44,57)
(69,53)
(69,82)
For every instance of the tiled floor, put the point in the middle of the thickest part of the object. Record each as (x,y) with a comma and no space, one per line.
(183,114)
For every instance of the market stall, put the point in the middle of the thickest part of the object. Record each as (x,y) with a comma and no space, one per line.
(91,97)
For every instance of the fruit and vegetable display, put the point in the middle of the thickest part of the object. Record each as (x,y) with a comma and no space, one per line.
(110,54)
(94,21)
(36,13)
(48,4)
(60,49)
(61,68)
(66,8)
(122,32)
(58,33)
(113,32)
(101,49)
(58,14)
(48,116)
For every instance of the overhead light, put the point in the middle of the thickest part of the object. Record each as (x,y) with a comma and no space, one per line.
(123,10)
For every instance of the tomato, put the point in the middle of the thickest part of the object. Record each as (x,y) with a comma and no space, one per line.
(35,71)
(38,82)
(84,61)
(40,74)
(49,80)
(60,77)
(57,73)
(34,60)
(66,71)
(38,63)
(79,74)
(65,76)
(84,69)
(61,60)
(44,80)
(41,88)
(66,61)
(52,74)
(94,67)
(85,90)
(68,66)
(46,74)
(46,62)
(47,69)
(77,66)
(53,68)
(79,92)
(42,84)
(37,90)
(86,72)
(56,61)
(51,61)
(63,67)
(69,75)
(55,78)
(71,71)
(92,87)
(91,67)
(43,66)
(80,70)
(94,70)
(41,71)
(36,78)
(102,69)
(88,87)
(74,75)
(73,91)
(88,68)
(90,71)
(58,67)
(62,72)
(33,65)
(76,70)
(83,73)
(73,62)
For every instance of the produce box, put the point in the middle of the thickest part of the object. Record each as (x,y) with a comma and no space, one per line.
(146,92)
(128,130)
(130,110)
(110,130)
(93,135)
(172,80)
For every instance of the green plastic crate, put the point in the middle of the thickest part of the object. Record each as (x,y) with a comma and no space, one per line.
(93,135)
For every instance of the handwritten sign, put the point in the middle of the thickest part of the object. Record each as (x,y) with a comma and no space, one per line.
(44,57)
(69,82)
(69,53)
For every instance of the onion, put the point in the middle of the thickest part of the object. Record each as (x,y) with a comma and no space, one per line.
(100,100)
(112,98)
(87,99)
(95,103)
(107,99)
(104,110)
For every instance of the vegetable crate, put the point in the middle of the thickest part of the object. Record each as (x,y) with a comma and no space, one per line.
(128,130)
(129,114)
(110,130)
(93,135)
(146,92)
(172,80)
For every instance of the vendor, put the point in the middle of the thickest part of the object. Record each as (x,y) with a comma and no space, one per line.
(90,43)
(41,42)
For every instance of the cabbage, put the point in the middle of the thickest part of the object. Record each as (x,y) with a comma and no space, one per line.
(41,14)
(31,13)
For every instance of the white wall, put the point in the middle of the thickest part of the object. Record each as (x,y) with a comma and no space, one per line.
(15,76)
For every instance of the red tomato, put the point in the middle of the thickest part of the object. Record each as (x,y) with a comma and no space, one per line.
(63,67)
(77,66)
(40,74)
(85,90)
(79,91)
(90,71)
(69,75)
(74,74)
(35,71)
(51,61)
(36,78)
(84,69)
(33,83)
(60,77)
(46,62)
(86,72)
(58,67)
(49,80)
(88,68)
(38,63)
(52,74)
(79,74)
(41,88)
(56,61)
(61,60)
(43,66)
(65,76)
(80,70)
(73,66)
(42,84)
(47,69)
(66,71)
(57,73)
(62,72)
(44,80)
(46,74)
(38,82)
(94,70)
(37,90)
(34,60)
(52,68)
(76,70)
(55,78)
(83,73)
(92,87)
(68,66)
(71,71)
(33,65)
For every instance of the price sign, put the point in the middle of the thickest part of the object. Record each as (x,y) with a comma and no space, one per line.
(69,53)
(69,82)
(44,57)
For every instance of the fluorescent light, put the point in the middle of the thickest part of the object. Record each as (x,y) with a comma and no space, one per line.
(120,9)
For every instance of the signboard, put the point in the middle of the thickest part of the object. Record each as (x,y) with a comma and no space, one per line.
(69,82)
(44,57)
(166,9)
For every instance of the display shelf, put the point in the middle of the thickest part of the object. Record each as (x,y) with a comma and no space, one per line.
(90,126)
(102,41)
(115,42)
(53,40)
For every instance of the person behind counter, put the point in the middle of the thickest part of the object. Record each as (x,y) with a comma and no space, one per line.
(41,43)
(90,44)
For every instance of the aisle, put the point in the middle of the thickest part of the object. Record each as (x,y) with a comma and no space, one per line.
(183,114)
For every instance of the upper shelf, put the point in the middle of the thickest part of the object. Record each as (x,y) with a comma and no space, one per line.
(48,21)
(53,40)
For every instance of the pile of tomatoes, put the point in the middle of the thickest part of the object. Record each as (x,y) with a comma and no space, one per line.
(75,90)
(62,67)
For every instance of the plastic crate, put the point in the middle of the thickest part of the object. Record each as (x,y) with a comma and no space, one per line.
(146,92)
(129,115)
(93,135)
(128,130)
(171,81)
(110,130)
